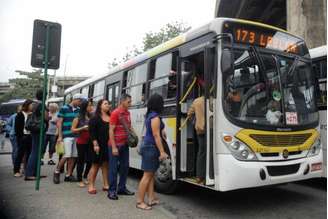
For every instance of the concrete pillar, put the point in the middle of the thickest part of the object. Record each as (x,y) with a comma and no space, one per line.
(308,19)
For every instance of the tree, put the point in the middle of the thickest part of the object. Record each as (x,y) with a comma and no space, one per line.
(24,87)
(169,31)
(153,39)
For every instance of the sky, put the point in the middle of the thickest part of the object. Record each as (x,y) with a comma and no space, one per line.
(93,32)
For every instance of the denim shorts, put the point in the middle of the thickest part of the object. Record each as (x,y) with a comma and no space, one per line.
(150,158)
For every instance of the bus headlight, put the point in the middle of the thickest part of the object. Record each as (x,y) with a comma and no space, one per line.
(315,149)
(238,149)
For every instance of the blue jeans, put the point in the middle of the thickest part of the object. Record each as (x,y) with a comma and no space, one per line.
(121,161)
(13,142)
(32,160)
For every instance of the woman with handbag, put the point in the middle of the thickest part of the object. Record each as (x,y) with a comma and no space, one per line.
(152,152)
(24,139)
(80,126)
(99,134)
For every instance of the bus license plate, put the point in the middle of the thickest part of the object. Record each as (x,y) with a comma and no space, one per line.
(316,167)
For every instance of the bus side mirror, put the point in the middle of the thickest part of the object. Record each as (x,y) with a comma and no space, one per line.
(226,61)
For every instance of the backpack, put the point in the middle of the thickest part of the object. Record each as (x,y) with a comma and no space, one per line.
(32,123)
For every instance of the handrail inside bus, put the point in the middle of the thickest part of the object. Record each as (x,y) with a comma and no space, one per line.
(188,91)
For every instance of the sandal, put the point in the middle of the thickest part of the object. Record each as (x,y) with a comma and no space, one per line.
(145,208)
(154,202)
(81,184)
(92,192)
(105,189)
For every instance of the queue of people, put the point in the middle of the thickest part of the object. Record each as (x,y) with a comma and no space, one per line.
(93,139)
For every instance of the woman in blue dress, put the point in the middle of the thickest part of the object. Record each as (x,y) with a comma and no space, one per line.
(152,152)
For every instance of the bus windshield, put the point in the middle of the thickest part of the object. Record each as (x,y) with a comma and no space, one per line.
(270,90)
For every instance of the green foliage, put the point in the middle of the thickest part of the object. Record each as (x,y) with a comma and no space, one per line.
(153,39)
(169,31)
(24,87)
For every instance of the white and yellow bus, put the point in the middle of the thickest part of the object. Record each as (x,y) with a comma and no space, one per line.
(319,63)
(260,112)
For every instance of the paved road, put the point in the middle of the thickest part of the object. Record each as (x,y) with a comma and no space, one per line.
(294,200)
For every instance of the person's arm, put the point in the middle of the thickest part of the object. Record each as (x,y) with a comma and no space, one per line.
(191,110)
(113,122)
(19,124)
(93,130)
(10,122)
(60,130)
(112,140)
(155,127)
(74,127)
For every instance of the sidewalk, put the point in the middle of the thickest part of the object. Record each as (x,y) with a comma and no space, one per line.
(18,199)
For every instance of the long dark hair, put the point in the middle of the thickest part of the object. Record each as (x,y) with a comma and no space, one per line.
(155,104)
(26,104)
(83,109)
(98,109)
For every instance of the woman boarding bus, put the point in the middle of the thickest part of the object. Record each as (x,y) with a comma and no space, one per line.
(261,121)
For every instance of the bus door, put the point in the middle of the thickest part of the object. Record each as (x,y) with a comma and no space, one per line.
(196,79)
(196,82)
(112,93)
(210,76)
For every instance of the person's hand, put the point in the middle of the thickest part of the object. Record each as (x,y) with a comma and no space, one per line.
(96,148)
(86,127)
(163,156)
(114,151)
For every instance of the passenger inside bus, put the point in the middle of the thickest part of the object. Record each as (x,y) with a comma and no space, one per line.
(194,83)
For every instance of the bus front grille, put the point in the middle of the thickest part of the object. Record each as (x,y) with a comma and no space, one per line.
(283,170)
(281,140)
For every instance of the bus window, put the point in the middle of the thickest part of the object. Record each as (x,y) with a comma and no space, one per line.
(98,92)
(320,69)
(163,71)
(85,91)
(136,84)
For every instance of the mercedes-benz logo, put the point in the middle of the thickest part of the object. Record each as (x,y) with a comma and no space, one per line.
(285,154)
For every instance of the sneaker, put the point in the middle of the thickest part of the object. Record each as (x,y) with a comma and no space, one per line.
(18,175)
(51,162)
(70,179)
(125,192)
(112,196)
(56,178)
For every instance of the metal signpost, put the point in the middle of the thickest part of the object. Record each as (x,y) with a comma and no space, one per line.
(45,54)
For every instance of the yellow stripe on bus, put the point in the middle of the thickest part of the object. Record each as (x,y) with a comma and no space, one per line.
(260,24)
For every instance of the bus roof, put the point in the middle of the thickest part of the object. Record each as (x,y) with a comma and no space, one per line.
(14,101)
(55,99)
(318,52)
(177,41)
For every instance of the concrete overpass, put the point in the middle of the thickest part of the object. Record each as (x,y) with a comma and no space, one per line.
(305,18)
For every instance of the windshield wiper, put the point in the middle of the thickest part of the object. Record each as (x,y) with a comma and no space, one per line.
(281,88)
(293,67)
(259,60)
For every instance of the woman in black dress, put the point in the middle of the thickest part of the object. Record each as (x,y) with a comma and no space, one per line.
(99,134)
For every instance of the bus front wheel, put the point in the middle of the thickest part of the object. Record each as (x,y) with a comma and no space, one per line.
(163,178)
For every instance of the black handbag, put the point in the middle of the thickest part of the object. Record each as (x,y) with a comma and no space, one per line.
(132,137)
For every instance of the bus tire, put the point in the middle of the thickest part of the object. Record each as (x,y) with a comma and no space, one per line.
(163,178)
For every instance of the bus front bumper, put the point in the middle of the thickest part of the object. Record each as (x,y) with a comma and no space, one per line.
(235,174)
